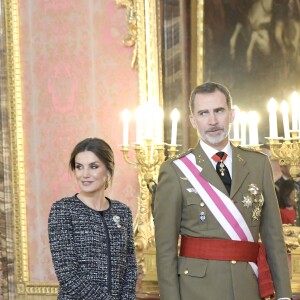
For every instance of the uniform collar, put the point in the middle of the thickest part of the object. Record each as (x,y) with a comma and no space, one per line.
(210,151)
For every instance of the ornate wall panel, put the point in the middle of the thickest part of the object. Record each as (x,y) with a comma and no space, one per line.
(65,83)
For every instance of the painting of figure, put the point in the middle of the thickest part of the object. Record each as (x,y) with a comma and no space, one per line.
(252,46)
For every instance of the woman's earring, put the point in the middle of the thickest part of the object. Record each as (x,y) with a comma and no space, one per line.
(106,183)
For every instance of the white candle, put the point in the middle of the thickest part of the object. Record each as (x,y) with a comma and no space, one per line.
(295,110)
(253,128)
(272,108)
(159,117)
(148,114)
(243,128)
(139,125)
(299,121)
(236,123)
(285,119)
(174,118)
(125,119)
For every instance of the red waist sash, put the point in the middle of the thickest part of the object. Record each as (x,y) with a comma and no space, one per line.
(220,249)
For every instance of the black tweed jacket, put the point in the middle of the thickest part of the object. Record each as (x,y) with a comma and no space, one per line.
(92,252)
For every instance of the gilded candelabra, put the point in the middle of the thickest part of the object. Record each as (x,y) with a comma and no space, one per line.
(287,152)
(148,158)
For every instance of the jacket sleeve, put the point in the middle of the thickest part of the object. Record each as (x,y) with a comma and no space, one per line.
(167,218)
(273,238)
(128,290)
(72,282)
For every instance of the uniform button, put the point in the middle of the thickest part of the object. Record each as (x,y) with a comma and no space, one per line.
(202,204)
(186,272)
(233,262)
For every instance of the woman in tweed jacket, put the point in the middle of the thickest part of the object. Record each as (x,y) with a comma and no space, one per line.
(91,238)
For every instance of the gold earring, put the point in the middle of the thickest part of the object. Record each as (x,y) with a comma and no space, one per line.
(106,184)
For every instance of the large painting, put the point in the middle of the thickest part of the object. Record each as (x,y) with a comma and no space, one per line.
(252,46)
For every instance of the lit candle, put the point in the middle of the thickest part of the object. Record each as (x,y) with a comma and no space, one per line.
(253,128)
(243,128)
(272,108)
(285,119)
(139,125)
(174,118)
(159,116)
(295,110)
(125,119)
(148,114)
(236,123)
(299,121)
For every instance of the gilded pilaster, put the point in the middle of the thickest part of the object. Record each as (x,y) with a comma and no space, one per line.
(200,33)
(16,135)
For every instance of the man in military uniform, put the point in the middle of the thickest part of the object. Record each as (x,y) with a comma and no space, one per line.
(219,199)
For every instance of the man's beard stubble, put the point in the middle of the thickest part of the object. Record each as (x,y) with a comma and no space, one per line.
(215,140)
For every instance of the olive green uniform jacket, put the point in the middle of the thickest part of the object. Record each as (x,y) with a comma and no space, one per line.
(176,212)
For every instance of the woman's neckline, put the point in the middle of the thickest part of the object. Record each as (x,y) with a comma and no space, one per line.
(102,210)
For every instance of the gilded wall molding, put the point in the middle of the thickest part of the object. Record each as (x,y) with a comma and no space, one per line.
(144,35)
(16,134)
(147,55)
(200,33)
(21,277)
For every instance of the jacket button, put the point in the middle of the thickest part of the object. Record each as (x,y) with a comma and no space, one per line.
(186,272)
(233,262)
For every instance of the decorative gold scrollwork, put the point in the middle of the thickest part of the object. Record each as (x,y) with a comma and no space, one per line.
(131,39)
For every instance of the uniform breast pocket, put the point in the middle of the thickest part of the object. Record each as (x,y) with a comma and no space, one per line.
(198,215)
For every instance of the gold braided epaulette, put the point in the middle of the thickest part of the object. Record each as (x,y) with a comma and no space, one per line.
(182,154)
(251,149)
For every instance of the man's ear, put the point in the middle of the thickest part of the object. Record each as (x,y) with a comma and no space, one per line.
(232,115)
(192,120)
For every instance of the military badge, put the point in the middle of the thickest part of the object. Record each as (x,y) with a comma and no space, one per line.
(255,200)
(192,190)
(247,201)
(202,216)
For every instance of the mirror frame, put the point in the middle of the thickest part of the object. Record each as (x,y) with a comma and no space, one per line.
(16,167)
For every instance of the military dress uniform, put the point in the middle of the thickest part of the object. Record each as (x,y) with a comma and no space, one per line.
(180,211)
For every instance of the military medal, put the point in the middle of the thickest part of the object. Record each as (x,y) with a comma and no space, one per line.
(247,201)
(202,216)
(220,160)
(254,199)
(222,170)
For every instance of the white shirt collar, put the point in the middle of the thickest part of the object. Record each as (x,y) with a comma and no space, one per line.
(210,151)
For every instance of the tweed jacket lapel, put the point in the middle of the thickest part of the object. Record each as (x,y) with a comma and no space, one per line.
(208,170)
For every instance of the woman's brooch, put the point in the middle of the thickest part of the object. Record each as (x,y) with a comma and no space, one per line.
(254,199)
(117,220)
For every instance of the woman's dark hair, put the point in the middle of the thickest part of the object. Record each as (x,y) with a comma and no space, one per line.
(285,189)
(100,148)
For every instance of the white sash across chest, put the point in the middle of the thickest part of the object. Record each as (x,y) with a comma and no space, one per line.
(221,206)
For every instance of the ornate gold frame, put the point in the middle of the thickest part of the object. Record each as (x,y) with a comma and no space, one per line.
(16,134)
(24,286)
